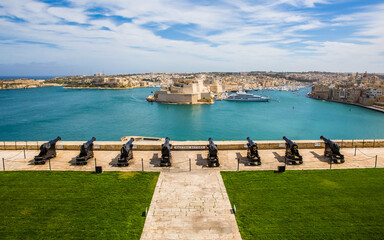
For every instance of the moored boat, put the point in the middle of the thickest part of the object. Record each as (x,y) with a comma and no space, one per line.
(246,97)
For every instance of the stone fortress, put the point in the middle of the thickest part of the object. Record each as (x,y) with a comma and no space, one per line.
(186,91)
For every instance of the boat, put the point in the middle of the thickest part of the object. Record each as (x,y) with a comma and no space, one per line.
(246,97)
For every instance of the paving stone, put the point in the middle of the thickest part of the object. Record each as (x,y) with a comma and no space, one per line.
(200,220)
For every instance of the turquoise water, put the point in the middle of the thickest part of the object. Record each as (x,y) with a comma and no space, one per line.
(79,114)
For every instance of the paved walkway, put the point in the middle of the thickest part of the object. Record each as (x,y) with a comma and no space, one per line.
(190,205)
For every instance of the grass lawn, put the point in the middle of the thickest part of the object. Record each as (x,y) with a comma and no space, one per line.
(322,204)
(74,205)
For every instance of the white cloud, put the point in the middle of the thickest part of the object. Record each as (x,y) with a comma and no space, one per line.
(235,36)
(306,3)
(68,14)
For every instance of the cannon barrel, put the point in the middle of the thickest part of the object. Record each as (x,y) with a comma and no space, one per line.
(54,141)
(331,143)
(288,141)
(334,146)
(166,147)
(166,141)
(212,146)
(324,139)
(250,142)
(129,143)
(90,141)
(166,153)
(213,159)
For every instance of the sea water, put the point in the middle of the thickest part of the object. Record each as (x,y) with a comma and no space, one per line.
(79,114)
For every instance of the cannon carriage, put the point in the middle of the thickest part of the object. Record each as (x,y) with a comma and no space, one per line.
(47,151)
(86,152)
(292,155)
(253,153)
(166,153)
(213,159)
(126,154)
(332,151)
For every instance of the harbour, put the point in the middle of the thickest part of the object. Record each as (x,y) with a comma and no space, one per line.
(78,114)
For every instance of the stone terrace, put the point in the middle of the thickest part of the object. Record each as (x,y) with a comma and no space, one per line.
(192,160)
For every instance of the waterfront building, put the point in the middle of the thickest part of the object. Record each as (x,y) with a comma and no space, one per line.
(183,91)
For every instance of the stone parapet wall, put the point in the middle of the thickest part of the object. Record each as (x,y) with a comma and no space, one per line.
(189,145)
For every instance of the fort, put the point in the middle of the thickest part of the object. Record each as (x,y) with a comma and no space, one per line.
(183,91)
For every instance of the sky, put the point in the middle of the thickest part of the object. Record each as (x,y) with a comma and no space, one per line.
(76,37)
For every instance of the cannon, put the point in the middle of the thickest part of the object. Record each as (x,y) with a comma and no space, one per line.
(213,159)
(125,154)
(166,153)
(47,151)
(292,152)
(332,150)
(253,153)
(86,152)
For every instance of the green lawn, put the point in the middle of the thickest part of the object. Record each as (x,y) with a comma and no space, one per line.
(77,205)
(322,204)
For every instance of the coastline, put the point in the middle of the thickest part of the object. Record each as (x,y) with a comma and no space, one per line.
(353,104)
(30,87)
(198,103)
(103,88)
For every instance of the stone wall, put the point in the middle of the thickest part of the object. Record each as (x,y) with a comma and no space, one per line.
(177,97)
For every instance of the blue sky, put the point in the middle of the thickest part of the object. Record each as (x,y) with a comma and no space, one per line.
(54,37)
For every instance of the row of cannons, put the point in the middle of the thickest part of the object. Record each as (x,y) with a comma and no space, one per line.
(331,151)
(292,155)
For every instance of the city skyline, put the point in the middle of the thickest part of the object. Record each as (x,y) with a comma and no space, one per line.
(52,37)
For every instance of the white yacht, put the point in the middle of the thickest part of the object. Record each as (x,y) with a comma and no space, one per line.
(246,97)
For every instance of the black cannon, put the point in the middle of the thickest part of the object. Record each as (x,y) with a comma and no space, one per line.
(125,154)
(332,150)
(253,153)
(292,152)
(47,151)
(86,152)
(166,153)
(213,159)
